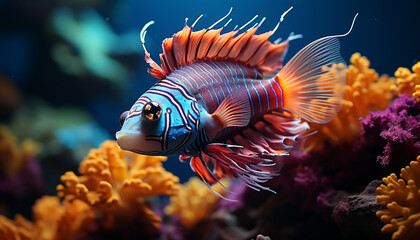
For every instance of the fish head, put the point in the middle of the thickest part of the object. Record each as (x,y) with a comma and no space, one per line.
(160,123)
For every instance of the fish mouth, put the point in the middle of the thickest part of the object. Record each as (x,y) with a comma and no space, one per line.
(133,141)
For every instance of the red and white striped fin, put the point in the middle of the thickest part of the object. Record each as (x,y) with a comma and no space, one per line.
(247,48)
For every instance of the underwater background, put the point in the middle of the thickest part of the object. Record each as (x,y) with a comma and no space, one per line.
(68,69)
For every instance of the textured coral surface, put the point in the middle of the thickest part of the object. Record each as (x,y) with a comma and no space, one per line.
(52,220)
(114,180)
(402,200)
(107,201)
(408,82)
(395,132)
(364,91)
(194,201)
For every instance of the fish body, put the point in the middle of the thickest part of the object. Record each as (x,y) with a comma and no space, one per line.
(214,104)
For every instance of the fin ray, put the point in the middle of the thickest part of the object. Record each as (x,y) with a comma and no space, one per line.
(234,111)
(248,48)
(313,80)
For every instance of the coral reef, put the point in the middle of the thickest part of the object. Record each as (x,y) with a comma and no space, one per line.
(416,94)
(109,197)
(395,132)
(18,229)
(116,181)
(324,181)
(21,180)
(408,82)
(401,197)
(322,191)
(52,220)
(195,202)
(14,158)
(365,91)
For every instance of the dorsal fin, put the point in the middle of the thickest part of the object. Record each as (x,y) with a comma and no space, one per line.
(247,48)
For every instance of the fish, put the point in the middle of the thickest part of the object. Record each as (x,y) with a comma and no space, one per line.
(226,102)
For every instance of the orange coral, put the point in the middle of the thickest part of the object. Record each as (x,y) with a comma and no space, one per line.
(195,201)
(20,229)
(402,199)
(364,92)
(416,94)
(116,182)
(52,221)
(13,158)
(408,82)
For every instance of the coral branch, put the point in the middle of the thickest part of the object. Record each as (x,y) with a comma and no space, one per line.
(402,199)
(117,181)
(408,82)
(195,201)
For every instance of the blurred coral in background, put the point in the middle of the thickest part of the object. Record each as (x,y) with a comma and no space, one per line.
(10,97)
(20,172)
(194,201)
(52,220)
(14,157)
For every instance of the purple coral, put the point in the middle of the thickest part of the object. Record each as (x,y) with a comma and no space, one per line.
(395,131)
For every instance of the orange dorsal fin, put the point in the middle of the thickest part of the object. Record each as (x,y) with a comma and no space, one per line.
(247,48)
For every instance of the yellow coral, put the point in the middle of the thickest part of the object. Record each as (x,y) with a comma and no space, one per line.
(12,157)
(408,82)
(52,221)
(116,181)
(416,94)
(402,199)
(195,201)
(364,92)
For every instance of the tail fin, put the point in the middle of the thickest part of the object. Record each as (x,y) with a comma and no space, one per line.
(313,80)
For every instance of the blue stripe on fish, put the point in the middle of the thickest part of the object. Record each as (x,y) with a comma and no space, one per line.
(246,86)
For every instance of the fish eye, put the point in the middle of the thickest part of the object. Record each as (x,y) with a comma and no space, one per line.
(123,117)
(152,110)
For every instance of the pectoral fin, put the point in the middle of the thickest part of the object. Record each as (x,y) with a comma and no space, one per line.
(234,111)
